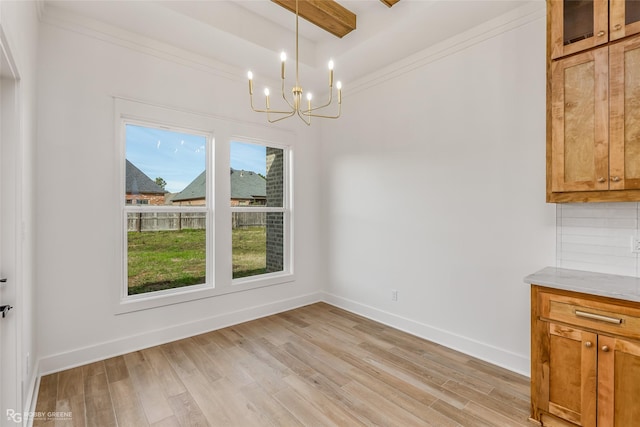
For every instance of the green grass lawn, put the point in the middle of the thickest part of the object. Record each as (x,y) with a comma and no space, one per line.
(249,251)
(160,260)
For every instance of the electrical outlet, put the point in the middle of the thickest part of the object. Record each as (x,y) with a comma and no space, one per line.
(635,244)
(394,295)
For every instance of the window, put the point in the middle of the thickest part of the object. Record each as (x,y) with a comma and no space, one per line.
(166,208)
(259,210)
(173,177)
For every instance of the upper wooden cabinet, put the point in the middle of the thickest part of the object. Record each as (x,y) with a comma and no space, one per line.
(624,117)
(624,18)
(580,122)
(593,100)
(578,25)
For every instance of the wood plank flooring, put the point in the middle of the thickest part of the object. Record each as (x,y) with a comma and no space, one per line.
(313,366)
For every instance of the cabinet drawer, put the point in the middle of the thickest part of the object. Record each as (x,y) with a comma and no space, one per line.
(622,320)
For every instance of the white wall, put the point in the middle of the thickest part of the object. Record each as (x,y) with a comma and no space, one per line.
(80,70)
(19,22)
(435,187)
(432,184)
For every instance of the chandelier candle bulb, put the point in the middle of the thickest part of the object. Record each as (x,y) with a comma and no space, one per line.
(339,86)
(331,73)
(250,75)
(283,58)
(266,94)
(309,96)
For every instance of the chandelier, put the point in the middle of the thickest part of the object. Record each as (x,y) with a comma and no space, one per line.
(295,101)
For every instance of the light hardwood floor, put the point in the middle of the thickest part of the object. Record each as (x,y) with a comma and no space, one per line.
(313,366)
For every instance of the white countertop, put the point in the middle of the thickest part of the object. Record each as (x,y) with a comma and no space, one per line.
(607,285)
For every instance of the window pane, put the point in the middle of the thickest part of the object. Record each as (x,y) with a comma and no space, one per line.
(257,248)
(165,250)
(257,175)
(164,167)
(578,20)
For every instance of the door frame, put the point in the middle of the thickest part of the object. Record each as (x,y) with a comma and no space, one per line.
(12,377)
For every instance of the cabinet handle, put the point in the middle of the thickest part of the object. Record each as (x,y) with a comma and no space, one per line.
(601,179)
(599,317)
(588,344)
(615,178)
(605,348)
(601,33)
(617,27)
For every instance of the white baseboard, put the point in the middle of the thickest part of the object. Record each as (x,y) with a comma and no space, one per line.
(81,356)
(483,351)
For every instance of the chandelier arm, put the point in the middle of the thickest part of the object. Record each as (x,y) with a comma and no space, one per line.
(306,121)
(288,114)
(285,97)
(325,105)
(269,110)
(321,116)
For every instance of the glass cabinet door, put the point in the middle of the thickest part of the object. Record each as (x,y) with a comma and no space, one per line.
(625,18)
(577,25)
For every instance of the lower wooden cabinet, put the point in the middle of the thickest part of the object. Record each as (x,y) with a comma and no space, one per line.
(585,357)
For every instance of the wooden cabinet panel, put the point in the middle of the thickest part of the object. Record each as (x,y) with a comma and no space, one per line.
(572,374)
(578,25)
(625,114)
(605,317)
(618,388)
(580,118)
(624,18)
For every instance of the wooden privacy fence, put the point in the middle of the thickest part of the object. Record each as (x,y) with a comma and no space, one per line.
(157,221)
(248,219)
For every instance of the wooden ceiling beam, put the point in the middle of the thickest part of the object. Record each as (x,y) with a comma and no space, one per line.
(390,3)
(326,14)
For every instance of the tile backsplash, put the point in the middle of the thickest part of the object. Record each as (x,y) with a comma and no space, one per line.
(597,237)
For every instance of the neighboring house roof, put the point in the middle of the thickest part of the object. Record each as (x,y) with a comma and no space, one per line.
(195,190)
(139,183)
(244,185)
(247,185)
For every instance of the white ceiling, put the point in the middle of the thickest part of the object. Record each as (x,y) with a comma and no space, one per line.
(249,34)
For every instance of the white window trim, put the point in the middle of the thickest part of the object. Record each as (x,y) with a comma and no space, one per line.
(287,274)
(219,274)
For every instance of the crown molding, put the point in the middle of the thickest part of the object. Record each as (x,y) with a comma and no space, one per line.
(89,27)
(92,28)
(509,21)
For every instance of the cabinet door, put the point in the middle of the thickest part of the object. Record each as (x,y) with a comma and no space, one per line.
(572,374)
(619,382)
(577,25)
(624,86)
(579,122)
(624,18)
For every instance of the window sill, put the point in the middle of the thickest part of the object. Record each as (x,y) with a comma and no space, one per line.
(196,292)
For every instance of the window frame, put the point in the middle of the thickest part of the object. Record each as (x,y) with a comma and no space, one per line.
(138,114)
(219,240)
(286,274)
